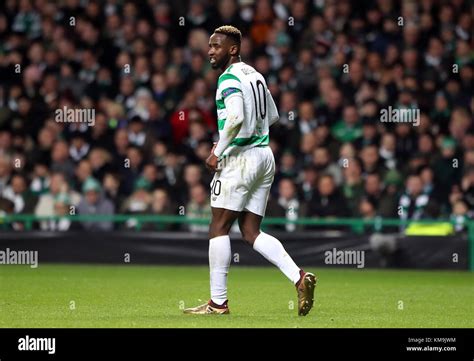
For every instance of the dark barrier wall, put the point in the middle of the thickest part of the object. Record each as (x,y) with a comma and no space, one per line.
(309,249)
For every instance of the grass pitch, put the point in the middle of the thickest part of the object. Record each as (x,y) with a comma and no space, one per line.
(151,296)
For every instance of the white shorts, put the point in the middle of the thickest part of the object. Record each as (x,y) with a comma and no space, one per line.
(244,181)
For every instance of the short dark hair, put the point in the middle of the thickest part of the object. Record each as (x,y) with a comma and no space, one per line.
(231,31)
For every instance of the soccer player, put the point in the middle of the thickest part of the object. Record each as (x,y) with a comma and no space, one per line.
(244,168)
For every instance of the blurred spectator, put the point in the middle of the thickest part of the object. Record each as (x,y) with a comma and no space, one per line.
(326,140)
(287,168)
(426,147)
(60,159)
(388,203)
(5,172)
(101,135)
(322,162)
(18,192)
(137,134)
(369,136)
(40,183)
(99,160)
(387,151)
(111,186)
(62,203)
(160,205)
(447,169)
(94,203)
(287,204)
(328,201)
(139,201)
(367,208)
(406,141)
(197,133)
(348,129)
(192,175)
(6,207)
(306,121)
(131,168)
(308,183)
(467,188)
(371,162)
(353,185)
(79,147)
(459,215)
(427,177)
(57,185)
(198,207)
(414,204)
(83,172)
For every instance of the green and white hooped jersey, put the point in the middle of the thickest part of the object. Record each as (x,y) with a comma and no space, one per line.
(240,77)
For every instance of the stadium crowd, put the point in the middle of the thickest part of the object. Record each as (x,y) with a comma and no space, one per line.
(331,65)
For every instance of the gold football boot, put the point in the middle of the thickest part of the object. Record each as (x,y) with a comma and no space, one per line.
(207,309)
(305,291)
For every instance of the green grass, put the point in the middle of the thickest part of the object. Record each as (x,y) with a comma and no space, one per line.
(149,296)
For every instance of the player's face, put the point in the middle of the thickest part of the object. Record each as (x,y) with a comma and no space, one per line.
(219,51)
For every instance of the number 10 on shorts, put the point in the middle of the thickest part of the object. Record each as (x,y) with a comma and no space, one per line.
(216,187)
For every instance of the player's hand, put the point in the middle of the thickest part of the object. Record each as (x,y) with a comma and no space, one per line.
(211,163)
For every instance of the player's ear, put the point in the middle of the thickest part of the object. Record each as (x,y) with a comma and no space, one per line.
(234,50)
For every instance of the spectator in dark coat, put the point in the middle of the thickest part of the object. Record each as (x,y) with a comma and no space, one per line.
(328,201)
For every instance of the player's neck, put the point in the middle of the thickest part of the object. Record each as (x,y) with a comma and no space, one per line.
(232,60)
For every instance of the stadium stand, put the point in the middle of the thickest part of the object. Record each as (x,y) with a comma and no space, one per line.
(142,67)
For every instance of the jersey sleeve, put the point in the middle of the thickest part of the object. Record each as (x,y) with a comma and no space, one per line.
(273,115)
(231,126)
(228,84)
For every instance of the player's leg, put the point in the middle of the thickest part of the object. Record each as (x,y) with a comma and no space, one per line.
(228,195)
(267,245)
(219,262)
(272,249)
(220,252)
(252,215)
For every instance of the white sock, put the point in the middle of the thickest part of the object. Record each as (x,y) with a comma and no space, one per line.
(219,262)
(271,248)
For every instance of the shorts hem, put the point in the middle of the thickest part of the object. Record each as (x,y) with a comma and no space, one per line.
(255,212)
(235,209)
